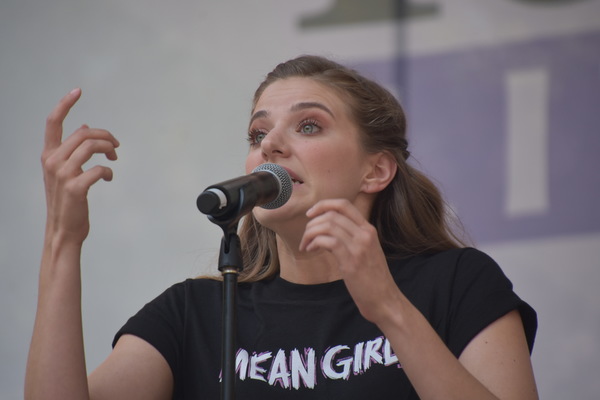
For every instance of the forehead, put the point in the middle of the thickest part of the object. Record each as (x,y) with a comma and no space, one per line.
(288,91)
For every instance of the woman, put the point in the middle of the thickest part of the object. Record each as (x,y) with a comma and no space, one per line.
(355,288)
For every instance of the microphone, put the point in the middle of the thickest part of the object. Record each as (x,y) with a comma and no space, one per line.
(268,186)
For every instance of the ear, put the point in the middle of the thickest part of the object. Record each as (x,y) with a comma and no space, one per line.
(382,170)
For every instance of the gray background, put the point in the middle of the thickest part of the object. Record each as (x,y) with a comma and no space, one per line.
(173,81)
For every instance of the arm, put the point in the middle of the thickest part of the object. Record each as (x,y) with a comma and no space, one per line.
(133,370)
(494,365)
(499,354)
(56,364)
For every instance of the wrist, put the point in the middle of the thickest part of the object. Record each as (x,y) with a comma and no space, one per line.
(59,248)
(393,313)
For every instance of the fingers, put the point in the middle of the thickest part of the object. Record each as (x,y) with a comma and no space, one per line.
(54,122)
(341,206)
(54,145)
(81,184)
(328,230)
(66,183)
(87,141)
(74,190)
(63,161)
(337,226)
(82,135)
(67,160)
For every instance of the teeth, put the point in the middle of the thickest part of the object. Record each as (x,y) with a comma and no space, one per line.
(296,181)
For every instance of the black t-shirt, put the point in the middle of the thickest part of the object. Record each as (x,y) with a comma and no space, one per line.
(310,341)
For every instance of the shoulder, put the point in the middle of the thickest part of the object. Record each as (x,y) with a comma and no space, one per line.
(192,286)
(179,299)
(464,287)
(163,318)
(465,256)
(454,273)
(448,264)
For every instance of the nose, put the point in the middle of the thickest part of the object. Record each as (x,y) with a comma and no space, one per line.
(274,145)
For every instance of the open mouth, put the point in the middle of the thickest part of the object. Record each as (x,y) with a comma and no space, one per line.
(295,180)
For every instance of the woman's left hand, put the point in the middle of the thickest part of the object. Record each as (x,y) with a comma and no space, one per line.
(337,226)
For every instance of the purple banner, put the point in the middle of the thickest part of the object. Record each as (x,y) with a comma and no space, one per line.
(457,115)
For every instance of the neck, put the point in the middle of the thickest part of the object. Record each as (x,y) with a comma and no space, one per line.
(306,268)
(312,267)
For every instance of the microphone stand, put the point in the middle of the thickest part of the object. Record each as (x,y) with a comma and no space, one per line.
(230,265)
(249,193)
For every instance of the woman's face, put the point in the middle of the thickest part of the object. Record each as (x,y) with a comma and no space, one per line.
(305,127)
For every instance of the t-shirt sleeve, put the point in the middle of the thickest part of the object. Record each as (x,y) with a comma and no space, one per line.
(160,323)
(481,294)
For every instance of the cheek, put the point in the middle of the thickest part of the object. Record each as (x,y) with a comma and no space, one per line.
(343,168)
(337,159)
(253,160)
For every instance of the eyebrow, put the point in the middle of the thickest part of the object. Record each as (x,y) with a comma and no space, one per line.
(311,104)
(296,107)
(258,114)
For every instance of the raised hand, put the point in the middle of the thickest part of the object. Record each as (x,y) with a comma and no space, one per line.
(56,366)
(66,182)
(338,226)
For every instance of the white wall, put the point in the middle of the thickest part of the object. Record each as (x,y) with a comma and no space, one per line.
(173,81)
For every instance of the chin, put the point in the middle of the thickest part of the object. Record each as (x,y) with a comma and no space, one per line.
(273,218)
(267,217)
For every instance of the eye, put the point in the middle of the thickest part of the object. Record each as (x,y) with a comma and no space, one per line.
(256,136)
(308,127)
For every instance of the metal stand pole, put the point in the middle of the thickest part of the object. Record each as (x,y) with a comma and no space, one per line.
(230,265)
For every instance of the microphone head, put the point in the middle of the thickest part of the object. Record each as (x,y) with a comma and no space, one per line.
(285,184)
